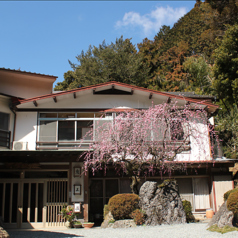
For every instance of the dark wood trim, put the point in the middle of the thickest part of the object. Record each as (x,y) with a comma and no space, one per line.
(55,99)
(169,100)
(150,96)
(132,91)
(74,95)
(35,103)
(200,210)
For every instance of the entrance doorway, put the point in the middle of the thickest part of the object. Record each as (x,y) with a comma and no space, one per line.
(101,190)
(32,204)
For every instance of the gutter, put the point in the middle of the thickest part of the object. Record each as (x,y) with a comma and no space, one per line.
(14,124)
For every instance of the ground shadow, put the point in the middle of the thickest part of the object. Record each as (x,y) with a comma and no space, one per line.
(40,234)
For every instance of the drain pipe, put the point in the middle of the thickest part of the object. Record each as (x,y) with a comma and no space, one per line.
(14,124)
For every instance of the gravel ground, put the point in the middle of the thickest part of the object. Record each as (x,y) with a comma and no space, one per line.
(192,230)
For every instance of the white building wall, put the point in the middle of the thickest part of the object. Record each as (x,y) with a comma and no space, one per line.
(25,87)
(89,100)
(199,142)
(26,128)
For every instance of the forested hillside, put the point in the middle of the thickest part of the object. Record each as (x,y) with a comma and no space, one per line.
(199,53)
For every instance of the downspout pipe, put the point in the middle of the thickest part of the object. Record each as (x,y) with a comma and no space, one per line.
(14,124)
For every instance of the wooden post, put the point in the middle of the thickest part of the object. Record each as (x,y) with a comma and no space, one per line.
(86,197)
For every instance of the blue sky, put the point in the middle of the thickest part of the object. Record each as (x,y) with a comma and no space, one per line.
(41,36)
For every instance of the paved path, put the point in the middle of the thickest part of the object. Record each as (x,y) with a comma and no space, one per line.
(193,230)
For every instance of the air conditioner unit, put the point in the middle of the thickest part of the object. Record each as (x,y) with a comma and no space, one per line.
(19,145)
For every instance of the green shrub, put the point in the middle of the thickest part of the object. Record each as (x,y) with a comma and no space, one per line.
(138,217)
(232,203)
(105,210)
(226,195)
(122,205)
(188,211)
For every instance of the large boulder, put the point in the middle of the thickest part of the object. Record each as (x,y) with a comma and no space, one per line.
(223,217)
(162,204)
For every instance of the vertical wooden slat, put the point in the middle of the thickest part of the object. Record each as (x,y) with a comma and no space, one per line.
(3,200)
(36,203)
(86,196)
(44,203)
(20,204)
(54,192)
(29,203)
(57,189)
(59,201)
(10,209)
(53,220)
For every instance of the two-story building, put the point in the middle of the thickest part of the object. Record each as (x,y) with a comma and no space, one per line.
(40,157)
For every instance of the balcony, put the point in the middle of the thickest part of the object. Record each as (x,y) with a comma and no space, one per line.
(5,137)
(65,131)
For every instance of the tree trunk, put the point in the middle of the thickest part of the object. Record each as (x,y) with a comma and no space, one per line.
(134,183)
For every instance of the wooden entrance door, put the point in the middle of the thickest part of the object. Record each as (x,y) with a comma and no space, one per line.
(21,203)
(9,203)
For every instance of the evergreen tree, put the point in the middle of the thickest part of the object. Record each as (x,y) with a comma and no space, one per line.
(118,61)
(226,88)
(225,68)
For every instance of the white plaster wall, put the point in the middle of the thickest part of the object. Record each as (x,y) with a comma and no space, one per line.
(26,128)
(89,100)
(199,142)
(77,180)
(24,88)
(4,107)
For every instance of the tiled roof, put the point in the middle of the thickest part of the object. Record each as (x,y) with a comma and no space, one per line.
(192,95)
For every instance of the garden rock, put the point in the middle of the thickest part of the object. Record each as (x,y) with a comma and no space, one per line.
(162,204)
(117,224)
(123,224)
(3,233)
(223,217)
(106,223)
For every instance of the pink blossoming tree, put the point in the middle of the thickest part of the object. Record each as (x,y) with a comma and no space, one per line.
(141,142)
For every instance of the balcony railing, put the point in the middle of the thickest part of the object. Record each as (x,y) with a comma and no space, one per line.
(63,145)
(5,137)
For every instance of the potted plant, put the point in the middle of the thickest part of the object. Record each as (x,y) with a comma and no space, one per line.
(77,224)
(69,215)
(88,225)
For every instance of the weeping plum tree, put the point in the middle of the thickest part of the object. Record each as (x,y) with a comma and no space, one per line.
(142,142)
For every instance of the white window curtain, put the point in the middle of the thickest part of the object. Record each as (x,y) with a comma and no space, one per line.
(201,193)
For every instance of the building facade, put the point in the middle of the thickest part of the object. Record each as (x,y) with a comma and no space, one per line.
(41,167)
